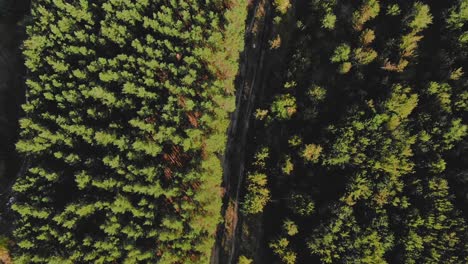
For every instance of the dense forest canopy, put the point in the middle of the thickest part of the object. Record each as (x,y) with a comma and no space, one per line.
(360,135)
(349,119)
(125,122)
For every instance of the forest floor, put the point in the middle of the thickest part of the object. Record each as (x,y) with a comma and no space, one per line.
(248,83)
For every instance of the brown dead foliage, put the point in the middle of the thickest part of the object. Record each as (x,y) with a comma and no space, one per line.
(167,173)
(193,118)
(150,120)
(176,157)
(181,101)
(5,256)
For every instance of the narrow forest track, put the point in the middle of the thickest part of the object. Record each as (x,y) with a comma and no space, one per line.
(248,84)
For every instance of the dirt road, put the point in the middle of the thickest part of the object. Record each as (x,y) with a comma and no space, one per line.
(248,83)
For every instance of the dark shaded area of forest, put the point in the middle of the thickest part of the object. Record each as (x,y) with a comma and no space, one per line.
(11,97)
